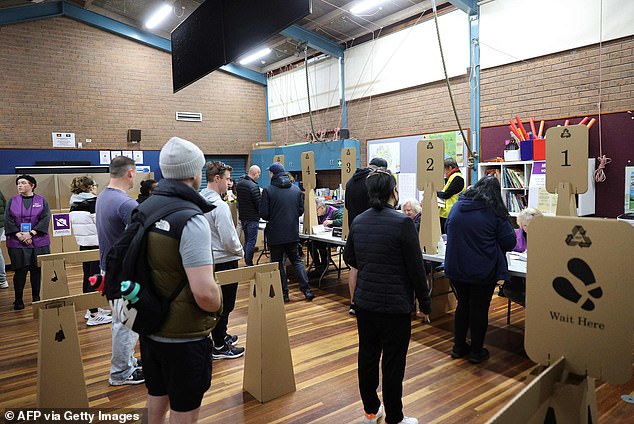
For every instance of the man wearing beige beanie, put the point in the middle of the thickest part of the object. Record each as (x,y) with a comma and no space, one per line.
(179,250)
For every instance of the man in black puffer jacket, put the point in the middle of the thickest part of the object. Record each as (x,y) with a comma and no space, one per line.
(282,206)
(356,200)
(248,193)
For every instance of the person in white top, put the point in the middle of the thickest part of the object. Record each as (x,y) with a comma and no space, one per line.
(83,223)
(227,251)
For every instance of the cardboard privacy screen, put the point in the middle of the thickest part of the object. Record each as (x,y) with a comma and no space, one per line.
(579,295)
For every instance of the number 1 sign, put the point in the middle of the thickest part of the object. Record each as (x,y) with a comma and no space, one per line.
(567,165)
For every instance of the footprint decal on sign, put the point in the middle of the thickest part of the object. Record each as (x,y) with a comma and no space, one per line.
(567,290)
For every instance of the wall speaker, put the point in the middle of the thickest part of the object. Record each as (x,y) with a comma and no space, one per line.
(344,134)
(134,136)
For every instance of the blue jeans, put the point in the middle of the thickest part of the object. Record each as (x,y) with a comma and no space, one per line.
(250,229)
(3,273)
(279,253)
(124,340)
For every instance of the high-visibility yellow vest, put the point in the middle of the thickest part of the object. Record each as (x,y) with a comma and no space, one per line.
(444,212)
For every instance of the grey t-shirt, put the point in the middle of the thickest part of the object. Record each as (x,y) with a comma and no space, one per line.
(195,244)
(113,211)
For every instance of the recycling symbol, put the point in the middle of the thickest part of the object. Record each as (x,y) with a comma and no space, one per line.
(578,237)
(565,133)
(430,146)
(567,290)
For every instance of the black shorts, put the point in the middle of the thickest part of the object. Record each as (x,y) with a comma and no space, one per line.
(182,371)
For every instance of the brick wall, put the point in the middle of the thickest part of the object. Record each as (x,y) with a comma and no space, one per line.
(559,85)
(62,75)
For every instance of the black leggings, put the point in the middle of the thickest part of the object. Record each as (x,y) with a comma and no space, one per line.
(472,313)
(19,281)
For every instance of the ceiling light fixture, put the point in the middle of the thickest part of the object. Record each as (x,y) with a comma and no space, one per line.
(159,15)
(364,6)
(255,56)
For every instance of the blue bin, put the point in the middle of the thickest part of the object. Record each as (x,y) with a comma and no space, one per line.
(526,150)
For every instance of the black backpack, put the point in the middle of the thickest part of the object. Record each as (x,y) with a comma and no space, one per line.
(146,310)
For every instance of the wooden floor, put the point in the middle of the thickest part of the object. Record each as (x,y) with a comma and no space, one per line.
(323,340)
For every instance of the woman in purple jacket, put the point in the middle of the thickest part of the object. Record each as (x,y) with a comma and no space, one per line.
(27,217)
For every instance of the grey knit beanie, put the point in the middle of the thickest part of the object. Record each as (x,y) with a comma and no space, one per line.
(180,159)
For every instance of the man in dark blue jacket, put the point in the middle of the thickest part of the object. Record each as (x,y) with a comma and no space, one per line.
(248,193)
(281,206)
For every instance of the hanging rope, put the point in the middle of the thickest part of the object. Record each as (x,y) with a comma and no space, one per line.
(599,174)
(453,104)
(310,111)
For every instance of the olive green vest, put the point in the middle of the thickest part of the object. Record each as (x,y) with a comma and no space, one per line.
(185,319)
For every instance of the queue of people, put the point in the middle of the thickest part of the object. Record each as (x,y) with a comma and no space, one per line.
(386,277)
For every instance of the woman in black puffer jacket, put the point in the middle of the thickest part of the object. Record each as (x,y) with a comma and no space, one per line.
(386,269)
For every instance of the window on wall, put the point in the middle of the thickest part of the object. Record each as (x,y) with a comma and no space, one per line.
(237,162)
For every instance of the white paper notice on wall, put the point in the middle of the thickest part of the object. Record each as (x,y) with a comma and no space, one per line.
(137,156)
(63,139)
(127,154)
(104,157)
(406,186)
(115,153)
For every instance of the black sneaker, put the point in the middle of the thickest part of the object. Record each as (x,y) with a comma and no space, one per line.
(476,358)
(460,352)
(309,294)
(18,306)
(286,298)
(135,378)
(227,352)
(353,309)
(231,340)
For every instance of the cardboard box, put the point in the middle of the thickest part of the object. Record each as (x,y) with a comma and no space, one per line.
(443,299)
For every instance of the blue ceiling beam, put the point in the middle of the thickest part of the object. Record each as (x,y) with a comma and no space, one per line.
(116,27)
(315,41)
(245,73)
(16,15)
(469,7)
(61,8)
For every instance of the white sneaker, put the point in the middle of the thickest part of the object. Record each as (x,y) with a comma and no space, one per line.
(373,418)
(100,311)
(99,319)
(409,420)
(4,285)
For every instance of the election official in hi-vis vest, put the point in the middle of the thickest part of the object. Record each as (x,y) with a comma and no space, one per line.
(454,185)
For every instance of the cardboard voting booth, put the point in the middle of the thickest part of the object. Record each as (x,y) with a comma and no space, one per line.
(268,364)
(348,168)
(567,165)
(310,182)
(579,317)
(54,277)
(429,178)
(59,355)
(59,359)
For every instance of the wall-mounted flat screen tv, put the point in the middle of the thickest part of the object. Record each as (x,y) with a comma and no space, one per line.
(220,31)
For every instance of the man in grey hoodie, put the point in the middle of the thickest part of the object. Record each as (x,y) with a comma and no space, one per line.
(227,251)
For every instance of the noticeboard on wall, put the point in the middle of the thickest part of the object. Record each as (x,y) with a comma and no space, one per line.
(400,154)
